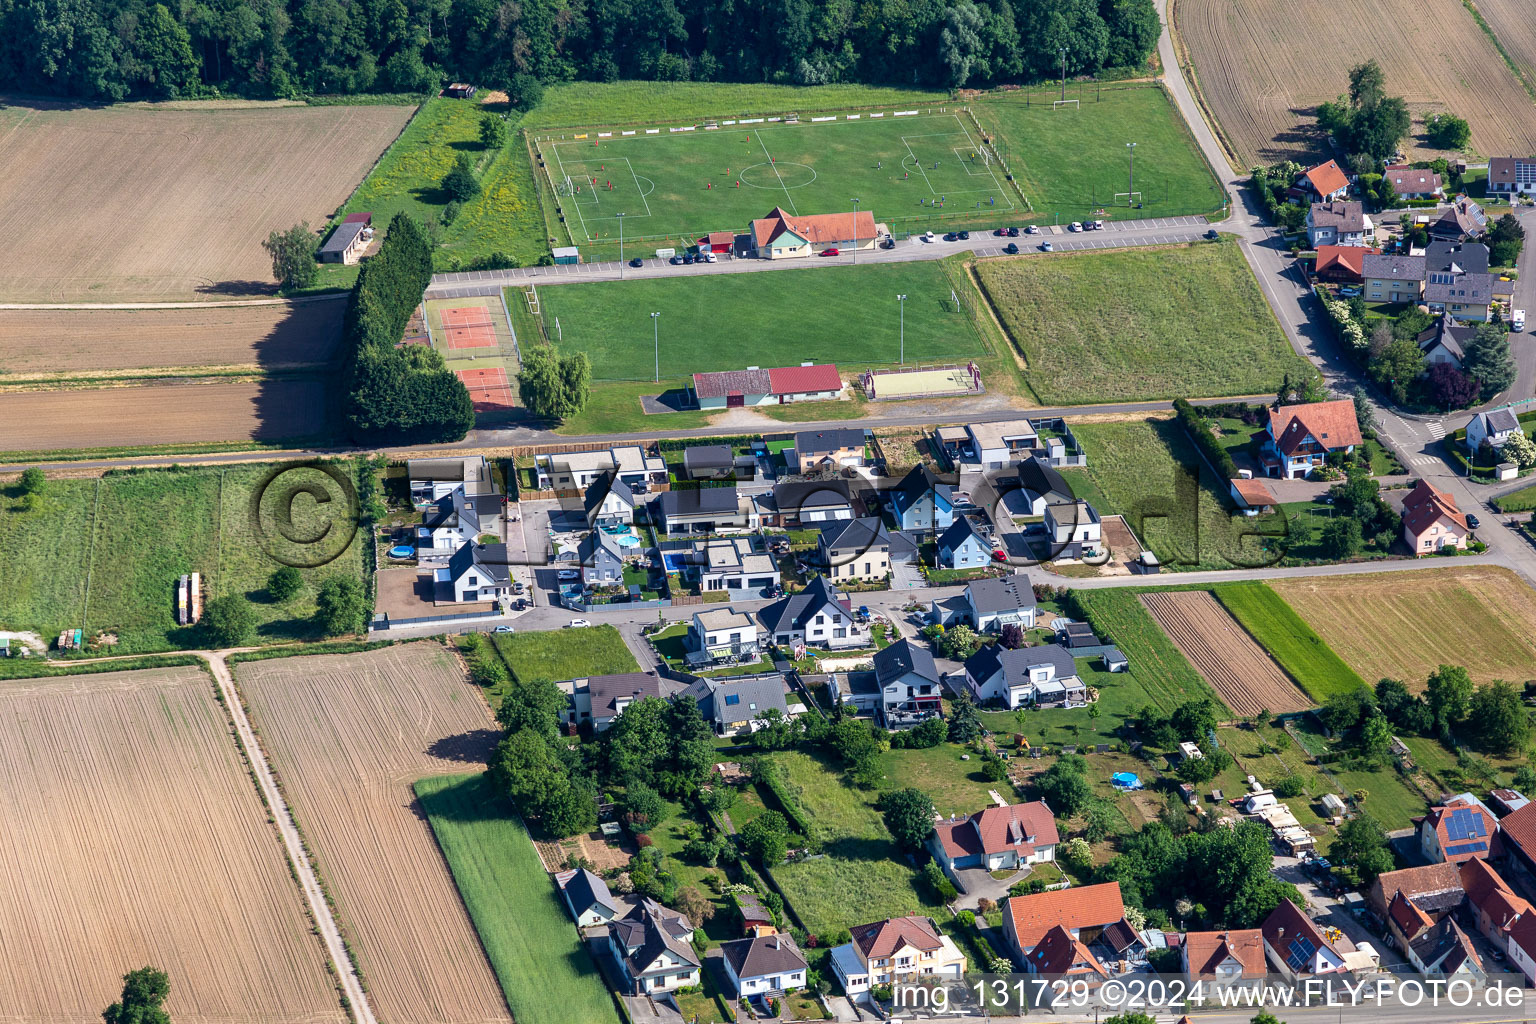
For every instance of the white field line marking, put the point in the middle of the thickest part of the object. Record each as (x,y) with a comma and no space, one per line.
(776,173)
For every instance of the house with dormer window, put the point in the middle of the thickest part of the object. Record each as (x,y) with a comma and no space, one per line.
(818,616)
(1299,438)
(1043,676)
(899,949)
(996,838)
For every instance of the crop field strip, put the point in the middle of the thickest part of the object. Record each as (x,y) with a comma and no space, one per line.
(1247,678)
(134,835)
(139,202)
(1290,641)
(1262,87)
(348,736)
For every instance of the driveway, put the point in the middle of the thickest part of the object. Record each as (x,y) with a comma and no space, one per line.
(979,885)
(906,576)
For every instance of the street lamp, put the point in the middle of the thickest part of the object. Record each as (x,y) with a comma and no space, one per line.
(621,246)
(1130,181)
(901,304)
(855,202)
(656,341)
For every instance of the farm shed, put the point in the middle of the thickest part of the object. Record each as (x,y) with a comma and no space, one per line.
(460,91)
(348,242)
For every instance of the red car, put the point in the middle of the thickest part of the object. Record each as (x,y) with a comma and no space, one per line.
(830,252)
(1000,556)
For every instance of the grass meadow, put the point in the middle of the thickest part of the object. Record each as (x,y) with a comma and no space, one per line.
(561,654)
(1169,322)
(1289,640)
(544,970)
(847,315)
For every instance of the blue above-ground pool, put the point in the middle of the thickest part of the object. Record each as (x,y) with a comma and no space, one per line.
(402,551)
(1125,780)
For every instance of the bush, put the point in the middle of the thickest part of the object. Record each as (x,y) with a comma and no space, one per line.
(1199,432)
(285,583)
(966,919)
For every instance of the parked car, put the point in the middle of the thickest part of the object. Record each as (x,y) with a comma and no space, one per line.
(888,242)
(689,258)
(676,261)
(965,236)
(1000,555)
(1013,232)
(1213,234)
(710,257)
(637,262)
(928,237)
(1012,248)
(1032,230)
(1001,232)
(1047,247)
(1349,291)
(830,252)
(568,574)
(1473,521)
(519,604)
(504,629)
(577,624)
(1074,226)
(1098,225)
(951,237)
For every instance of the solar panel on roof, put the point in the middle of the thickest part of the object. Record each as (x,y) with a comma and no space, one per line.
(1456,849)
(1301,951)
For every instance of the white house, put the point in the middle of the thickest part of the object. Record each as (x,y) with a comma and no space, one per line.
(476,572)
(997,444)
(1339,223)
(819,615)
(989,605)
(1074,528)
(601,699)
(909,684)
(1043,675)
(1295,946)
(733,564)
(763,964)
(431,480)
(586,897)
(578,470)
(1495,426)
(996,838)
(609,502)
(723,634)
(455,519)
(651,946)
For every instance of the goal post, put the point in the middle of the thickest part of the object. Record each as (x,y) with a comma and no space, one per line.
(1058,104)
(1129,197)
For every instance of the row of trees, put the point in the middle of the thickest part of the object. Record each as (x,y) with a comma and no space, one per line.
(121,49)
(1492,716)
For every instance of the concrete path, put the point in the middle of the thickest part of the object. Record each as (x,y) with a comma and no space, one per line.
(320,911)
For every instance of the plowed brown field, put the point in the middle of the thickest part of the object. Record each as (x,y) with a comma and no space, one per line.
(150,202)
(1406,624)
(51,342)
(133,835)
(348,735)
(1511,21)
(1222,651)
(162,413)
(1263,67)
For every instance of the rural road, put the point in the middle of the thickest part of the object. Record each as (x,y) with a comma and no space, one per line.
(319,909)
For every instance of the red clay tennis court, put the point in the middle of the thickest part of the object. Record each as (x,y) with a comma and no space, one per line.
(469,327)
(488,389)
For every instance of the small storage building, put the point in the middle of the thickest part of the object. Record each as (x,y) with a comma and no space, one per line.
(566,255)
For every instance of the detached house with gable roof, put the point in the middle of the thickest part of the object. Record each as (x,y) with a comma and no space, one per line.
(783,235)
(1512,175)
(1042,676)
(1446,342)
(922,501)
(1339,223)
(1456,279)
(910,687)
(1457,831)
(1324,182)
(1227,956)
(855,549)
(829,449)
(1295,946)
(899,949)
(1392,277)
(820,616)
(1494,426)
(989,605)
(763,964)
(1300,437)
(1414,182)
(587,898)
(1431,521)
(963,547)
(996,839)
(1086,912)
(650,944)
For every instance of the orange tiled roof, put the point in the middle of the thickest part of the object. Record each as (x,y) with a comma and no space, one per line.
(1327,178)
(1209,950)
(1330,424)
(818,229)
(882,938)
(1087,906)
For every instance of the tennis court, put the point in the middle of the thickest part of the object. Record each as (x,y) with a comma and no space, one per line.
(473,327)
(469,327)
(489,388)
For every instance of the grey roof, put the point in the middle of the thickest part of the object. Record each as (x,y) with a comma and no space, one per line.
(957,534)
(1015,665)
(606,691)
(763,955)
(1471,288)
(791,495)
(484,504)
(862,534)
(649,929)
(1340,214)
(1080,634)
(488,559)
(585,890)
(1115,654)
(1497,420)
(1038,478)
(602,487)
(902,657)
(1463,218)
(344,235)
(792,612)
(862,682)
(918,482)
(1469,257)
(812,442)
(905,545)
(708,456)
(752,696)
(597,546)
(1003,595)
(698,501)
(1450,334)
(1393,267)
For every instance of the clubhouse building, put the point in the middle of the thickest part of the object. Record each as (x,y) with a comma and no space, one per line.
(731,389)
(782,235)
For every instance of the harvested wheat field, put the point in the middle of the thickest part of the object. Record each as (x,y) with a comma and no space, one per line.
(163,413)
(348,736)
(1243,673)
(1405,624)
(1262,71)
(48,343)
(133,836)
(139,201)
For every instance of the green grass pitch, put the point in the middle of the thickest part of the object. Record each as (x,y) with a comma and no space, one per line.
(674,187)
(845,315)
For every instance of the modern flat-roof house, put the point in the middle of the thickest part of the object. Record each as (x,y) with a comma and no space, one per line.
(651,945)
(431,480)
(1512,175)
(996,839)
(962,546)
(709,462)
(1339,223)
(349,241)
(783,235)
(818,616)
(1393,277)
(735,389)
(829,449)
(1457,281)
(475,572)
(1496,426)
(909,685)
(601,699)
(1074,529)
(722,635)
(734,565)
(989,605)
(807,502)
(763,965)
(704,510)
(899,949)
(1299,437)
(577,470)
(995,445)
(1324,182)
(855,549)
(1414,182)
(1040,676)
(1431,520)
(922,501)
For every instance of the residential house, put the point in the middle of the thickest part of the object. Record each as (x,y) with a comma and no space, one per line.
(476,572)
(1414,182)
(1464,219)
(1517,835)
(1060,953)
(762,964)
(651,946)
(733,564)
(1324,182)
(963,547)
(782,235)
(857,690)
(1445,951)
(587,898)
(1074,529)
(1446,342)
(805,502)
(601,699)
(1225,956)
(1431,521)
(922,501)
(1494,905)
(898,949)
(1433,888)
(734,705)
(1342,264)
(819,616)
(995,445)
(1085,911)
(1406,922)
(1522,945)
(855,549)
(1339,223)
(990,604)
(431,480)
(905,546)
(909,683)
(722,635)
(835,448)
(1041,676)
(1457,831)
(709,462)
(1457,281)
(576,471)
(1496,426)
(705,510)
(735,389)
(996,839)
(455,519)
(1393,277)
(1042,485)
(1295,946)
(601,559)
(1299,438)
(1511,175)
(608,502)
(1251,496)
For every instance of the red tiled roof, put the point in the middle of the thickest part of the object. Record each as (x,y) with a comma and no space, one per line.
(1021,827)
(732,382)
(1253,492)
(1209,950)
(719,238)
(1410,920)
(1490,894)
(1523,932)
(1350,258)
(818,229)
(794,380)
(1287,921)
(1519,827)
(1437,816)
(1327,177)
(1058,952)
(1330,424)
(1088,906)
(1425,880)
(1425,505)
(882,938)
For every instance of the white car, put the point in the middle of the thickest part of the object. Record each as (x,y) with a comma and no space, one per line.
(1074,226)
(568,574)
(577,624)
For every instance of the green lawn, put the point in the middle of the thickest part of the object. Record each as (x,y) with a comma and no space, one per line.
(956,786)
(578,104)
(139,535)
(546,974)
(1523,500)
(561,654)
(1390,799)
(1173,322)
(1167,677)
(611,322)
(1071,162)
(1289,640)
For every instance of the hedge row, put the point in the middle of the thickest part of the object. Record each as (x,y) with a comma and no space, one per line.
(1199,432)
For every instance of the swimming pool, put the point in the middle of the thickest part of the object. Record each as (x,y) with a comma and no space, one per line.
(674,561)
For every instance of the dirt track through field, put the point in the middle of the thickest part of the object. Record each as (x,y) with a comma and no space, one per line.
(1222,651)
(43,343)
(133,836)
(348,735)
(140,202)
(1263,68)
(162,413)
